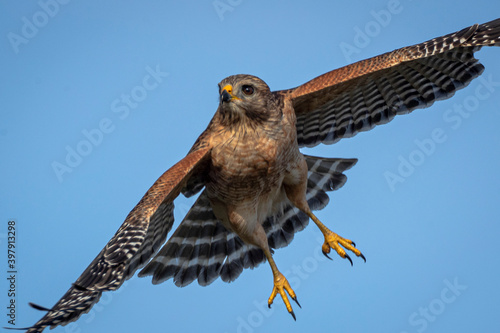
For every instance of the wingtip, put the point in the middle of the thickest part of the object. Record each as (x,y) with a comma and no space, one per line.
(28,329)
(38,307)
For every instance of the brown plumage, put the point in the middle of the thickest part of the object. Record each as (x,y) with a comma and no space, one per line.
(258,188)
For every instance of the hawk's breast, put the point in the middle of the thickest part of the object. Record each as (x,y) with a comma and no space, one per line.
(249,164)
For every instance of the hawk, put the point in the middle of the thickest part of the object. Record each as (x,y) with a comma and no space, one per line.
(257,188)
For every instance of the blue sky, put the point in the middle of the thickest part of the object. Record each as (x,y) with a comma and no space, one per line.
(431,241)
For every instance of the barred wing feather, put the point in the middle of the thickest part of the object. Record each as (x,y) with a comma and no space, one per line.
(355,98)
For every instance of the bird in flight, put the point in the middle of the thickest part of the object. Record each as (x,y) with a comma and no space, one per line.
(257,188)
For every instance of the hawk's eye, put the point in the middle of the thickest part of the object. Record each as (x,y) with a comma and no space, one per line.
(247,90)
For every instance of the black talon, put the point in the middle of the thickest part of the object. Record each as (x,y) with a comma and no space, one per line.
(326,255)
(362,256)
(268,305)
(293,315)
(353,244)
(296,301)
(348,258)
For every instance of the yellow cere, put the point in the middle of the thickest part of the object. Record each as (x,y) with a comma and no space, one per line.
(229,89)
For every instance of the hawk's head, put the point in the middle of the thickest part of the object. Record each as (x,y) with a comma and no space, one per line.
(244,97)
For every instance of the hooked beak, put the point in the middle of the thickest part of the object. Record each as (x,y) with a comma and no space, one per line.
(227,94)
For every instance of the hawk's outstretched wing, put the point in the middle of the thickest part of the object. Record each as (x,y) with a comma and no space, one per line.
(202,248)
(355,98)
(140,236)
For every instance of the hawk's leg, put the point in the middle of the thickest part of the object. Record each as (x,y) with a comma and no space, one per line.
(280,286)
(295,184)
(334,241)
(241,220)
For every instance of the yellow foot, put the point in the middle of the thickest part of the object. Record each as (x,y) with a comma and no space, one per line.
(334,241)
(280,285)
